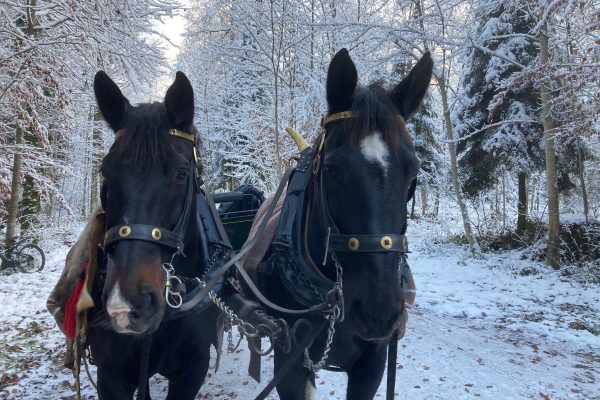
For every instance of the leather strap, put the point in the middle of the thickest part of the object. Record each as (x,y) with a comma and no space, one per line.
(155,234)
(200,292)
(184,135)
(368,243)
(337,116)
(143,232)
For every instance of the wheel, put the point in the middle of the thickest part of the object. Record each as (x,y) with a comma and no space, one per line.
(29,258)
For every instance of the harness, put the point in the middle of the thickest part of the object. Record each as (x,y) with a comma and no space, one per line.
(172,239)
(297,271)
(213,240)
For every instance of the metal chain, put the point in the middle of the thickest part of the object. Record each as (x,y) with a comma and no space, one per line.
(245,328)
(335,316)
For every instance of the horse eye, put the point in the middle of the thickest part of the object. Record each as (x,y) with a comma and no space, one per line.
(332,171)
(182,174)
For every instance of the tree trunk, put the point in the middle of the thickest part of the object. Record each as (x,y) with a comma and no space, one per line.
(13,204)
(30,205)
(275,60)
(504,201)
(522,204)
(412,208)
(581,171)
(580,164)
(473,246)
(96,159)
(553,251)
(423,202)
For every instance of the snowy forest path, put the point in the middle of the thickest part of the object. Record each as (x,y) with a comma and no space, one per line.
(478,330)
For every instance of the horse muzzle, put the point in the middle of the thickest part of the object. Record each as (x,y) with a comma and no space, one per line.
(143,315)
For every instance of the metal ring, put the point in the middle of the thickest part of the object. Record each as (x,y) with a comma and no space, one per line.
(156,234)
(386,242)
(353,244)
(125,231)
(178,300)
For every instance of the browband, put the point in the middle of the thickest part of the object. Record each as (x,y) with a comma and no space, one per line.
(344,115)
(337,116)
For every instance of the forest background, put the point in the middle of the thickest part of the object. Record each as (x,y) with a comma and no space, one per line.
(508,136)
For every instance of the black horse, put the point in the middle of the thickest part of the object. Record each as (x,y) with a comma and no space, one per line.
(151,195)
(347,231)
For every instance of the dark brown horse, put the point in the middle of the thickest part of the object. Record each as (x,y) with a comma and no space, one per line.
(151,194)
(348,231)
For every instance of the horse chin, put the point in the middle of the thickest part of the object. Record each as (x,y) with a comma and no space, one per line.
(376,331)
(374,336)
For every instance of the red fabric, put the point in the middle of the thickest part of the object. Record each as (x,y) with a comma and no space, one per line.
(70,324)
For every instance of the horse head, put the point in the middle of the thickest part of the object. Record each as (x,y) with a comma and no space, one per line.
(147,193)
(366,174)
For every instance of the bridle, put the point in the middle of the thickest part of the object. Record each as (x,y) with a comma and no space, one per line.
(170,238)
(349,243)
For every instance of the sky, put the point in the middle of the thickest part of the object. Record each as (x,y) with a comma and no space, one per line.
(172,28)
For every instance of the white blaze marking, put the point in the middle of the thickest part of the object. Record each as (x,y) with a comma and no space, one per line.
(375,150)
(118,308)
(310,392)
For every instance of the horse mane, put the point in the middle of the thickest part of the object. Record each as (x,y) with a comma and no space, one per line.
(375,112)
(145,140)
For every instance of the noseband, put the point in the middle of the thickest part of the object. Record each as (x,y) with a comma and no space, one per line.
(172,239)
(350,243)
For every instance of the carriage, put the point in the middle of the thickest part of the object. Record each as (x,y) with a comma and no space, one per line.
(237,210)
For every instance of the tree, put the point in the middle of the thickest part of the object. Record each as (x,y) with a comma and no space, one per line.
(49,52)
(496,116)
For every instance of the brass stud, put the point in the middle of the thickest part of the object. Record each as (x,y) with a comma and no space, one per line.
(353,244)
(386,242)
(125,231)
(156,234)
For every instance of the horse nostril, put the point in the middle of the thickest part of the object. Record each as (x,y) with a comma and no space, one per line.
(154,300)
(134,315)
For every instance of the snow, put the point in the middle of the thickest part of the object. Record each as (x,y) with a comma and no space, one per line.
(492,327)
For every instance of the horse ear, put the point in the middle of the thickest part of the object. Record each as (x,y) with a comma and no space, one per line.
(409,93)
(113,105)
(341,81)
(179,102)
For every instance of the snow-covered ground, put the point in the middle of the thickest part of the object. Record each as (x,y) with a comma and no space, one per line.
(496,327)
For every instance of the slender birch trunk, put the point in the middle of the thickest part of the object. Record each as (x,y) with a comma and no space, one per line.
(473,245)
(13,204)
(553,251)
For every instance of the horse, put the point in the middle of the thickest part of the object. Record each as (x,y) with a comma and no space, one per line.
(344,228)
(156,243)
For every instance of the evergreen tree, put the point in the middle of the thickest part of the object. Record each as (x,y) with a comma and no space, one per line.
(497,115)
